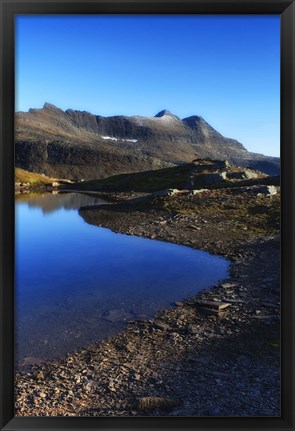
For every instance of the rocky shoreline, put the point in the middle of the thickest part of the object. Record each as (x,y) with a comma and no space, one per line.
(217,354)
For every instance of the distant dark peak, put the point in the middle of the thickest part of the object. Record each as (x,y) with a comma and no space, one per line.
(164,112)
(195,122)
(193,118)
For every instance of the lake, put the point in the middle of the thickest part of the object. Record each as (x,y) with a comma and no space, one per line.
(77,283)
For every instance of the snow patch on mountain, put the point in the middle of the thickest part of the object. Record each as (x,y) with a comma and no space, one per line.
(111,138)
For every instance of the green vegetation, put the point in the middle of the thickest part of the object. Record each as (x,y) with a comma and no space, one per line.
(27,177)
(249,215)
(148,181)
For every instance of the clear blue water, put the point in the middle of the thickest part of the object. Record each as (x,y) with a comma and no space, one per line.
(77,283)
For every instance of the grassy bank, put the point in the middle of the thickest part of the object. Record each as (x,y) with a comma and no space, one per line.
(22,176)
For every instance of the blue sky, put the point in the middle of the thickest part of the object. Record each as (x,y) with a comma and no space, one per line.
(223,68)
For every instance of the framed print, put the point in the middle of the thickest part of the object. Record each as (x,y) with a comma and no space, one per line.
(147,244)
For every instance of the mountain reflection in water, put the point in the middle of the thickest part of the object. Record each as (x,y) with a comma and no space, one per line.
(77,283)
(50,202)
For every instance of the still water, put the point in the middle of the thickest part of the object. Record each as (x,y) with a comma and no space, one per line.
(77,283)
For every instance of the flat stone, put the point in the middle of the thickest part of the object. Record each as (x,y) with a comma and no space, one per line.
(195,192)
(117,315)
(30,360)
(227,285)
(264,317)
(234,301)
(214,304)
(192,226)
(161,325)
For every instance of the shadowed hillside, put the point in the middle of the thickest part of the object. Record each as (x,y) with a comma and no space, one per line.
(202,173)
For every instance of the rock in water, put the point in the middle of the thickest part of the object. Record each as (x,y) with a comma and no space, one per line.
(117,315)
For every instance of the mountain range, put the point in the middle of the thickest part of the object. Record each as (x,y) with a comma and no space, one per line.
(79,145)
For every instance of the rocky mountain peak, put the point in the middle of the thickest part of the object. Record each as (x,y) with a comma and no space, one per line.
(165,112)
(49,107)
(194,120)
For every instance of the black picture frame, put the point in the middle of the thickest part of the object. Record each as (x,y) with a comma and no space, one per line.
(10,8)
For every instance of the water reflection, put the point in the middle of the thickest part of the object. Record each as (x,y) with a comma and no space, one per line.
(77,283)
(50,202)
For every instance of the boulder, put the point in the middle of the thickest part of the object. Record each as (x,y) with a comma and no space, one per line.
(161,325)
(211,179)
(249,174)
(195,192)
(266,190)
(166,192)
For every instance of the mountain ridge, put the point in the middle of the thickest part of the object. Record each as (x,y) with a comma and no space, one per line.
(80,145)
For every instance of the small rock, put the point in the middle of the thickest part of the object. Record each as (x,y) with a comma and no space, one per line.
(234,301)
(117,315)
(213,304)
(192,226)
(195,192)
(227,285)
(161,325)
(178,304)
(40,375)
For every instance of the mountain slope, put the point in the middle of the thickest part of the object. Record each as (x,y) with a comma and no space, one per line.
(201,173)
(78,145)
